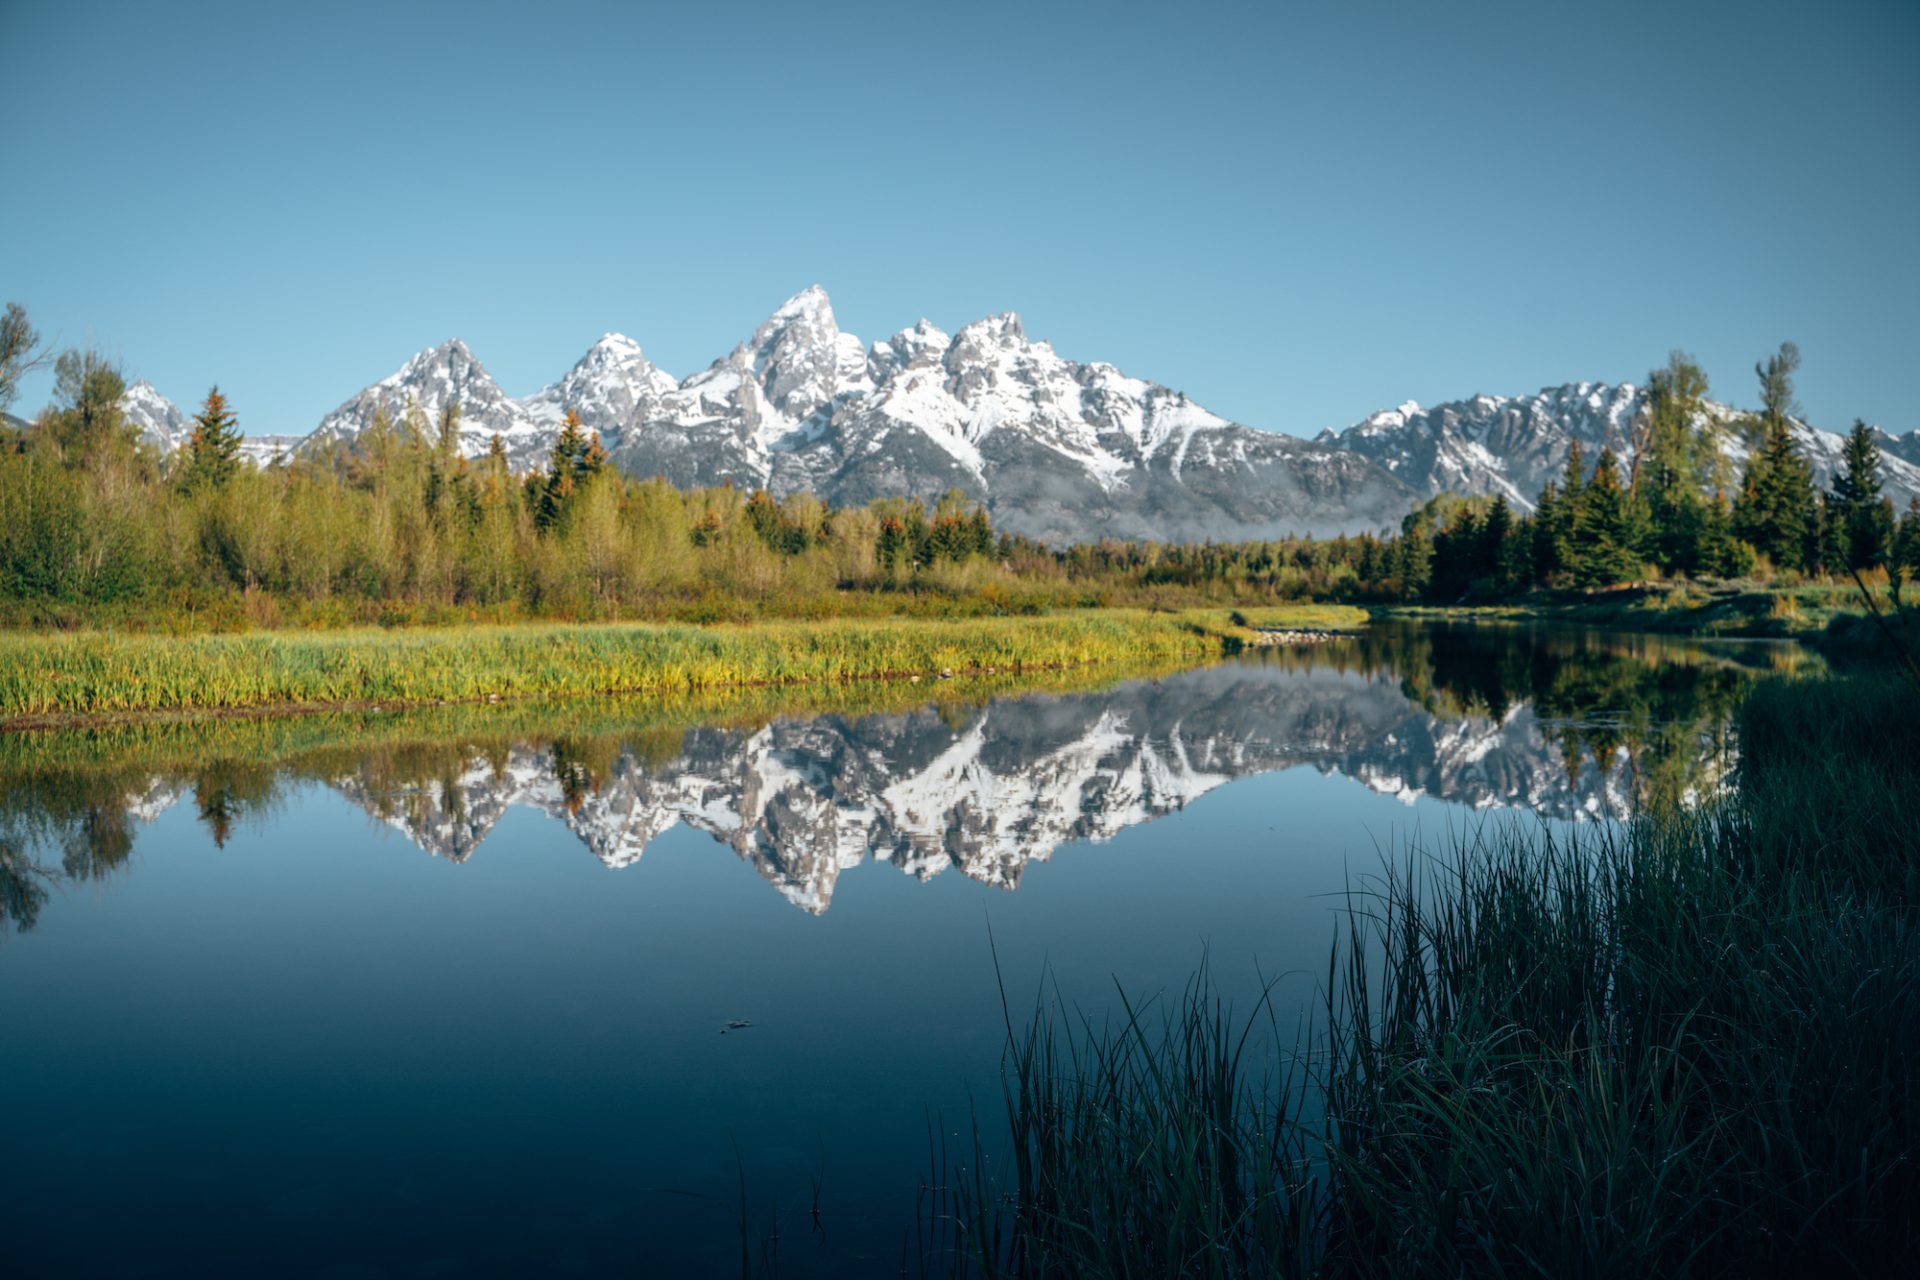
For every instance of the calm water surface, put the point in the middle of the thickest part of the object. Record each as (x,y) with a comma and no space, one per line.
(450,993)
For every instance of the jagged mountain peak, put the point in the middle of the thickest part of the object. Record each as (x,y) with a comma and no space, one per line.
(430,380)
(1003,330)
(159,421)
(1511,446)
(924,342)
(811,301)
(609,387)
(614,344)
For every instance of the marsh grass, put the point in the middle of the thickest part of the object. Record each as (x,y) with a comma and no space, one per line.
(1686,1045)
(94,673)
(1316,617)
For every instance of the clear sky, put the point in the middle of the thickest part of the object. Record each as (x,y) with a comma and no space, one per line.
(1296,213)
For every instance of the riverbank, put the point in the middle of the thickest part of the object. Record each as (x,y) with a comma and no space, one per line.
(48,678)
(1681,1046)
(1829,616)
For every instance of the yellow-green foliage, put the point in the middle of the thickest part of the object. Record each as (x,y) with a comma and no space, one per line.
(1302,617)
(97,672)
(325,743)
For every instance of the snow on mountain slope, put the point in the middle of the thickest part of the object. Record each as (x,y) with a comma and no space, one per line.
(611,386)
(159,421)
(1512,445)
(164,428)
(1008,785)
(1057,449)
(428,383)
(1061,450)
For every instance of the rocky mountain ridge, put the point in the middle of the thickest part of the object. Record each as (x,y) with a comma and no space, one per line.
(1057,449)
(1510,446)
(1006,785)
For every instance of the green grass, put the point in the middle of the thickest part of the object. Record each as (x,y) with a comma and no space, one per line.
(1689,1045)
(45,676)
(323,743)
(1734,608)
(1302,617)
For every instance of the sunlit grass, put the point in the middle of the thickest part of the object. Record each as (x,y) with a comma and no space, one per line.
(91,673)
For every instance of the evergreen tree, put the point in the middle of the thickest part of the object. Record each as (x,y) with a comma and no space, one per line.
(890,548)
(1604,535)
(1777,513)
(1548,542)
(1413,561)
(1776,385)
(1492,556)
(577,457)
(213,451)
(449,438)
(1906,543)
(1555,540)
(1516,565)
(1721,554)
(1675,462)
(1862,521)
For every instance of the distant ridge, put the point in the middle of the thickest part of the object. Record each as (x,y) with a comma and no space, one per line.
(1057,449)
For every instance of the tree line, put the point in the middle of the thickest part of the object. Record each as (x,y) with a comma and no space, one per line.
(396,525)
(1673,510)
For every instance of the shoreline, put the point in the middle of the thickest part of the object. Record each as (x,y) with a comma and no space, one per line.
(78,679)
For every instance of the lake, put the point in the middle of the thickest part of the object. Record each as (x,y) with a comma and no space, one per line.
(536,990)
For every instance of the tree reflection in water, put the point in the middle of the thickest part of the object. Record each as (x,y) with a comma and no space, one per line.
(1569,724)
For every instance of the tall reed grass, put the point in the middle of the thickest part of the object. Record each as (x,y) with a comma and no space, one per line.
(1686,1046)
(90,673)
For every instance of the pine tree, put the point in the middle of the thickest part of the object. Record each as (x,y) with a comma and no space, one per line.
(573,460)
(1906,543)
(1516,572)
(1494,539)
(891,544)
(1776,512)
(1676,460)
(1604,535)
(213,451)
(1862,520)
(449,440)
(1544,555)
(1414,561)
(1556,521)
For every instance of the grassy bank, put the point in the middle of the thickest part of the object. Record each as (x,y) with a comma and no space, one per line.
(100,673)
(1691,1046)
(1807,611)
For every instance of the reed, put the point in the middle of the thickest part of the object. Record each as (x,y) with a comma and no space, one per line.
(94,673)
(1687,1045)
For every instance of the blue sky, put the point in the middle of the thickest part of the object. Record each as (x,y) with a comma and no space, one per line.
(1297,214)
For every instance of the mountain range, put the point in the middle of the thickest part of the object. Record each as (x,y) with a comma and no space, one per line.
(991,790)
(1057,449)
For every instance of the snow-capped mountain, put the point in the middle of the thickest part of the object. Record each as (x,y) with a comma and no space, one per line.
(1510,446)
(426,384)
(165,428)
(613,385)
(158,419)
(989,791)
(1056,448)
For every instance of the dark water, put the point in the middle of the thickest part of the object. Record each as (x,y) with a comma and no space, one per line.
(449,993)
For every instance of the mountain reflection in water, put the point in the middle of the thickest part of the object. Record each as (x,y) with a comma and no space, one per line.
(1570,725)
